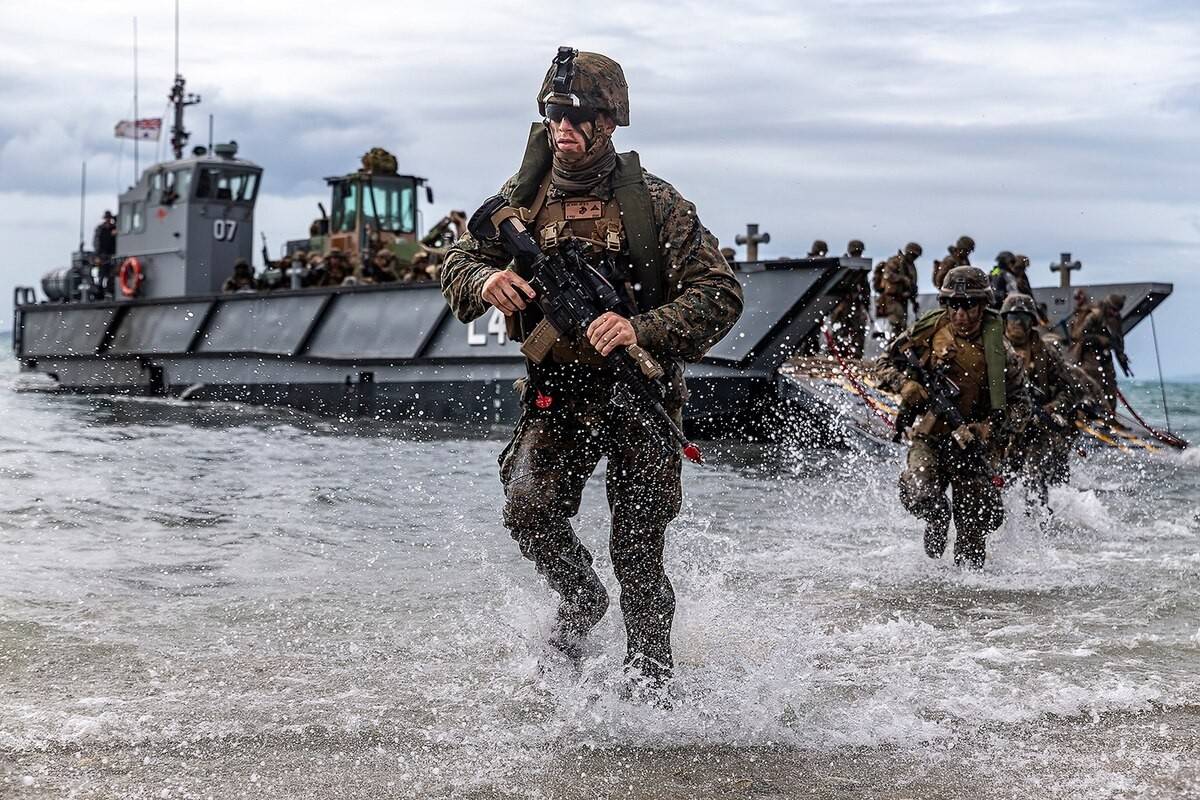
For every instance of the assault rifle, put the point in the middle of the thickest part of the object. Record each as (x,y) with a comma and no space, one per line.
(943,397)
(571,294)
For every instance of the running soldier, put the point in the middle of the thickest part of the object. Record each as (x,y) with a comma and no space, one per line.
(573,184)
(960,345)
(1040,454)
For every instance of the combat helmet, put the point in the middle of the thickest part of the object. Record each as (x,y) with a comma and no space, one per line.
(586,80)
(819,248)
(1115,301)
(965,282)
(1005,258)
(855,247)
(913,249)
(1017,303)
(965,243)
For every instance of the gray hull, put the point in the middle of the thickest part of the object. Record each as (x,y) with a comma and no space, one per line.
(391,351)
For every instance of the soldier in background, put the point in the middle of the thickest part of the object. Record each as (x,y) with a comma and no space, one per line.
(965,342)
(418,269)
(381,268)
(242,279)
(850,318)
(1096,338)
(730,256)
(1040,454)
(895,281)
(818,250)
(958,255)
(104,238)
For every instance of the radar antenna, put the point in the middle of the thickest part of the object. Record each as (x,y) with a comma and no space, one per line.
(180,99)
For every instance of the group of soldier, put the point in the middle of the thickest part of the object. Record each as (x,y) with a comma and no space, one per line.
(1012,409)
(993,394)
(335,268)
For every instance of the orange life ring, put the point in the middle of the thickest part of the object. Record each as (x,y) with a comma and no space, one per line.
(130,287)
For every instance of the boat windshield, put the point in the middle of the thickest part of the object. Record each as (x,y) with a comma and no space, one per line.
(222,183)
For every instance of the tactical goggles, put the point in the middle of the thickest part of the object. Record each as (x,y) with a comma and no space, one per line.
(962,303)
(576,114)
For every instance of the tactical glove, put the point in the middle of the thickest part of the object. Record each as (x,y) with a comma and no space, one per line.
(912,394)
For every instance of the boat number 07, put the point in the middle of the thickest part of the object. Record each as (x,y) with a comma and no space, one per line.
(224,229)
(495,327)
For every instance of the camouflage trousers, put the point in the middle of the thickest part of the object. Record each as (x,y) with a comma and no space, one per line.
(935,465)
(552,455)
(895,311)
(1042,459)
(849,329)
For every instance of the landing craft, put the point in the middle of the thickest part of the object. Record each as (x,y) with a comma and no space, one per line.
(162,327)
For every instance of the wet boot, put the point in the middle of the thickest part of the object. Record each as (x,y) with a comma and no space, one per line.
(937,528)
(567,566)
(578,615)
(970,550)
(648,660)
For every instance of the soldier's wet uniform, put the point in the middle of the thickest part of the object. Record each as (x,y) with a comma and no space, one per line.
(994,406)
(1040,454)
(1096,338)
(686,297)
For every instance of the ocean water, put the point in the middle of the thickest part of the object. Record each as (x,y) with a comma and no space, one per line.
(214,601)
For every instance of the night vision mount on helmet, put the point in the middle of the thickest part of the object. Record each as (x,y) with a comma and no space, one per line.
(586,80)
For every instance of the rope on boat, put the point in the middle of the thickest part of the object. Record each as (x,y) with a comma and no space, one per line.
(858,387)
(1168,439)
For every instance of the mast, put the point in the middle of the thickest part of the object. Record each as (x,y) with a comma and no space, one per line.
(136,132)
(180,99)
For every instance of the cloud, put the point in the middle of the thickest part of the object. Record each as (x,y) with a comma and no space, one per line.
(1036,127)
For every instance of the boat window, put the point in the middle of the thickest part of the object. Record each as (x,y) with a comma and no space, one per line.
(232,186)
(176,185)
(124,215)
(345,207)
(138,216)
(156,184)
(392,206)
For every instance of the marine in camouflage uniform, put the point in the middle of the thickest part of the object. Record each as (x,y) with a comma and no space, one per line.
(687,299)
(1096,338)
(895,281)
(959,255)
(1040,454)
(850,318)
(966,343)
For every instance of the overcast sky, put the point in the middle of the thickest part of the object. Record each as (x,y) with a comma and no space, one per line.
(1034,127)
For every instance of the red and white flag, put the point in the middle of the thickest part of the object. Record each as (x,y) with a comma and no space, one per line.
(141,129)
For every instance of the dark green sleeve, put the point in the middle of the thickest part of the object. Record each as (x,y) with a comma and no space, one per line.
(704,297)
(468,264)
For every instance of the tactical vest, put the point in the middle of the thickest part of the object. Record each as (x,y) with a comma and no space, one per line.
(993,349)
(631,208)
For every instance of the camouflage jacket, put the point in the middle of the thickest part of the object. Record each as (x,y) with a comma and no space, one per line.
(1012,415)
(703,297)
(896,278)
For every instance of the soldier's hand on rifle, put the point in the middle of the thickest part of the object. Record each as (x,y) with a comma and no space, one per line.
(610,331)
(912,394)
(504,290)
(972,432)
